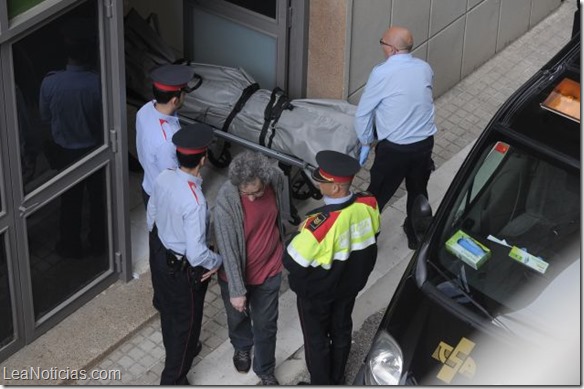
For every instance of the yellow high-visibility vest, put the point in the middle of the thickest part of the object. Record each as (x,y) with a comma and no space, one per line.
(328,236)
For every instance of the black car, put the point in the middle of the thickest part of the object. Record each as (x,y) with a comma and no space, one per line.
(493,293)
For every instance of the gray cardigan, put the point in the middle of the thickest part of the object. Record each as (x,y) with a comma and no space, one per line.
(229,234)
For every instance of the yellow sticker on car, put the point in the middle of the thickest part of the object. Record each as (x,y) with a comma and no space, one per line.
(455,360)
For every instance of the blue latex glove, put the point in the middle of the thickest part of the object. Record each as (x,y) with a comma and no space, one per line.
(364,153)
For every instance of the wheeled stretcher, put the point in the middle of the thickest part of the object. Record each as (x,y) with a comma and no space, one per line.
(229,99)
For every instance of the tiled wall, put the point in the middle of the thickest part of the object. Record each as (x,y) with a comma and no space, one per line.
(454,36)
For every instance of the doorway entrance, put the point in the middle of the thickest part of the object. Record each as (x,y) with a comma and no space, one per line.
(61,196)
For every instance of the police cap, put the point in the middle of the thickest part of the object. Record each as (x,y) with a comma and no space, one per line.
(193,139)
(171,78)
(334,166)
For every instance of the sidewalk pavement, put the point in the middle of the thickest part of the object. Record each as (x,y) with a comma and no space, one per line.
(126,336)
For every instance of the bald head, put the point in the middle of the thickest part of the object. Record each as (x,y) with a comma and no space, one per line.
(400,38)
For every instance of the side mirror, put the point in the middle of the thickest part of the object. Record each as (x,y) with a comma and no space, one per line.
(421,215)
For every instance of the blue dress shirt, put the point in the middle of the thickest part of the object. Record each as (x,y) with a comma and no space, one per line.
(178,208)
(398,101)
(156,152)
(70,100)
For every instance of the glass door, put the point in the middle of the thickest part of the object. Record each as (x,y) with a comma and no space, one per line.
(64,171)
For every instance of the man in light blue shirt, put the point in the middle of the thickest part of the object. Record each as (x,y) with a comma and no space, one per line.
(157,121)
(181,262)
(397,109)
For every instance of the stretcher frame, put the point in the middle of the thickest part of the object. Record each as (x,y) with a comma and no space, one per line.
(297,184)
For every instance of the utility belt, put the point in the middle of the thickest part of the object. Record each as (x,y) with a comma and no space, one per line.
(177,263)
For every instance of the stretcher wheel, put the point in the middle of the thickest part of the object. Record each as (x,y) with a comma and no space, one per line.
(223,158)
(295,220)
(316,195)
(303,188)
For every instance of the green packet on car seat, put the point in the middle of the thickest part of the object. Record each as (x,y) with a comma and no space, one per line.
(528,260)
(468,249)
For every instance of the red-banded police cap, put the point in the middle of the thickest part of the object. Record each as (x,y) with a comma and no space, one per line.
(334,166)
(193,139)
(172,78)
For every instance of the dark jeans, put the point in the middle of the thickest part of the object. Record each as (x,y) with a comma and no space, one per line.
(181,314)
(259,328)
(393,163)
(326,327)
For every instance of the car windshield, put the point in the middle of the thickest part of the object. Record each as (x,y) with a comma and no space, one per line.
(512,230)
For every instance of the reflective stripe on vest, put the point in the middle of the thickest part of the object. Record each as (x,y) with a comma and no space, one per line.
(325,238)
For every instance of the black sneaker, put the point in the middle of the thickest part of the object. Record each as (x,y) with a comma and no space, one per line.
(412,240)
(268,379)
(242,361)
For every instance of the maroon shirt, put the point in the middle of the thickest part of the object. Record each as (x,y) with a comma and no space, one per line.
(262,238)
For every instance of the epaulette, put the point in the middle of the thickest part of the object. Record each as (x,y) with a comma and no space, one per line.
(317,221)
(320,224)
(366,198)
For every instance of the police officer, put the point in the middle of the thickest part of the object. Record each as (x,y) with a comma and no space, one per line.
(157,121)
(181,262)
(329,260)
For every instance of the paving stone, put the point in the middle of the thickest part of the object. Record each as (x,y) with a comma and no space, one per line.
(147,344)
(147,361)
(137,369)
(125,362)
(136,353)
(214,341)
(157,352)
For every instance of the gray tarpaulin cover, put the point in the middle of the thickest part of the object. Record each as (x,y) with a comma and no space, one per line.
(301,128)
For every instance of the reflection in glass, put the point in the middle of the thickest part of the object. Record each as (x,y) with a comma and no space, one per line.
(210,31)
(16,7)
(58,94)
(6,323)
(264,7)
(68,243)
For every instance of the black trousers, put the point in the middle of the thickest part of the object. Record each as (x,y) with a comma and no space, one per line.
(71,211)
(326,327)
(181,314)
(393,163)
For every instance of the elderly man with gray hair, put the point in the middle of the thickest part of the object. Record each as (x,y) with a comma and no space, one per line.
(250,237)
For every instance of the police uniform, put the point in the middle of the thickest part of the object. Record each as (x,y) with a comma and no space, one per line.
(329,260)
(154,130)
(178,220)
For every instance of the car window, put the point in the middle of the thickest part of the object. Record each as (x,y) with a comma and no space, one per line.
(513,228)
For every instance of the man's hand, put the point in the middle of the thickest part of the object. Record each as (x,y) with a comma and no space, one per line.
(239,303)
(208,274)
(364,154)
